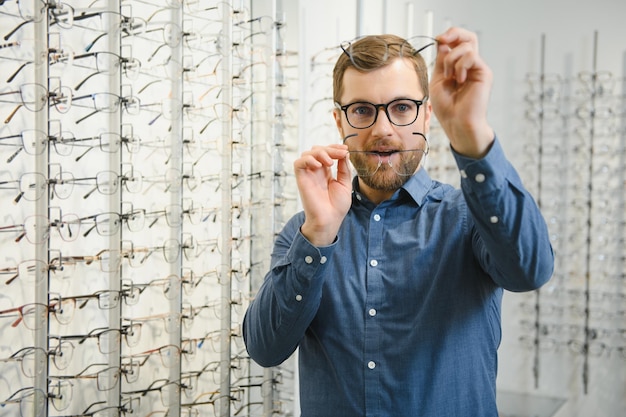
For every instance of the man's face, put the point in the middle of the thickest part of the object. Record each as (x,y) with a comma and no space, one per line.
(394,81)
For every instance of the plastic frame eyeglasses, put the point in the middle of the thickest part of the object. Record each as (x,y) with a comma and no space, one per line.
(377,108)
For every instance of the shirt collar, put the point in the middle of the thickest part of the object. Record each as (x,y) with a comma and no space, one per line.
(417,187)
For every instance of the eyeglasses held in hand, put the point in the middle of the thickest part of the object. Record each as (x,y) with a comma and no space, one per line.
(409,47)
(397,161)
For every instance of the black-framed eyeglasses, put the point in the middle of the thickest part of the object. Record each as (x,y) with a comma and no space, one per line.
(400,112)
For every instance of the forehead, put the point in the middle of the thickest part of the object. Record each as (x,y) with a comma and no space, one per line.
(398,79)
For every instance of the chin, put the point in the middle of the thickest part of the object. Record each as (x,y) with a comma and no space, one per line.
(385,181)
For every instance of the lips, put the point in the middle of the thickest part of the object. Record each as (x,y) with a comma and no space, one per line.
(384,148)
(384,155)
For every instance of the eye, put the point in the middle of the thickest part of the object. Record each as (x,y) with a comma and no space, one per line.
(362,109)
(402,106)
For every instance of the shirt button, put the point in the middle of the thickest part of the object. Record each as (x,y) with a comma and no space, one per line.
(308,259)
(372,312)
(323,260)
(480,177)
(298,297)
(371,364)
(358,197)
(493,219)
(463,174)
(377,217)
(373,262)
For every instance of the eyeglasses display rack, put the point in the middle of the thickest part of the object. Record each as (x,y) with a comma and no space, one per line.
(574,164)
(143,182)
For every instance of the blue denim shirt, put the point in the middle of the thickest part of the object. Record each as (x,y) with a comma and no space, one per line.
(400,316)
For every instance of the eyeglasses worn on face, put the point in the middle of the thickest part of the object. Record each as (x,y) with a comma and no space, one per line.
(400,112)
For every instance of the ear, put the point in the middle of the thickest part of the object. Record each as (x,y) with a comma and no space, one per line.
(337,116)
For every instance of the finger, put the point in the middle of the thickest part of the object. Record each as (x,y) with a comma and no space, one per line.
(459,60)
(306,162)
(319,156)
(452,45)
(337,149)
(328,154)
(465,61)
(455,36)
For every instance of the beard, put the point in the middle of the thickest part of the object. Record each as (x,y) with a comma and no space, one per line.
(386,177)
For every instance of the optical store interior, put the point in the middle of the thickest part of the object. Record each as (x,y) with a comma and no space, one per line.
(146,151)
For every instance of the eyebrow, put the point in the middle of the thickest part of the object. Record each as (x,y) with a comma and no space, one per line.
(360,100)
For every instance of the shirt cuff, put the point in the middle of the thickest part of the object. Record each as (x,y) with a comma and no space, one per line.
(486,175)
(308,259)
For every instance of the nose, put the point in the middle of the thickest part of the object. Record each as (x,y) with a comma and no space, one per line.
(382,126)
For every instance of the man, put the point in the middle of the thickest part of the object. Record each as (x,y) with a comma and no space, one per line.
(391,284)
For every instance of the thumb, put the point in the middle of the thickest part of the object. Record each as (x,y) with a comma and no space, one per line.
(344,176)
